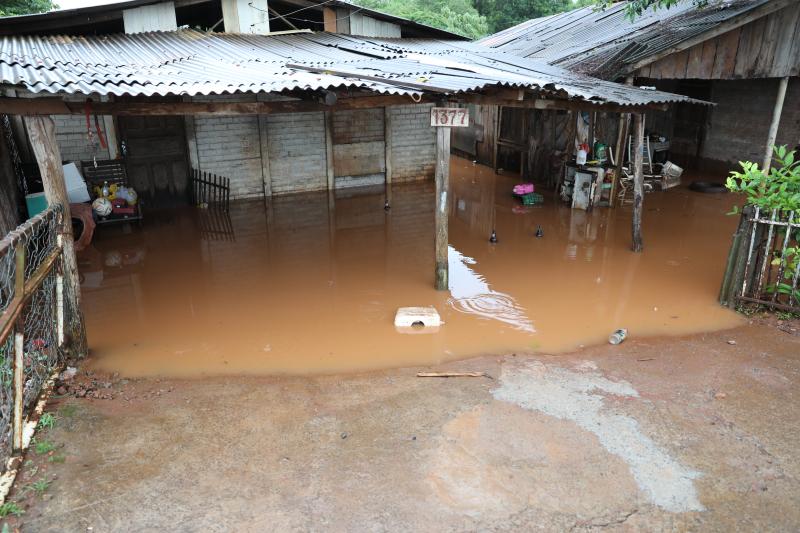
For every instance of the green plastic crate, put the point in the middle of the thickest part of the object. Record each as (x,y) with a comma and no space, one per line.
(532,198)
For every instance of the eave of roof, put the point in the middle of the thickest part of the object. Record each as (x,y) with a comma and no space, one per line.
(188,62)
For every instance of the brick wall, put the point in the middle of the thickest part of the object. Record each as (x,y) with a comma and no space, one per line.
(72,141)
(413,143)
(229,146)
(297,152)
(739,123)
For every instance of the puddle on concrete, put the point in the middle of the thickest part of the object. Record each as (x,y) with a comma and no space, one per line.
(310,284)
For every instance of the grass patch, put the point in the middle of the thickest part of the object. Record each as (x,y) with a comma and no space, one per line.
(68,411)
(42,447)
(57,458)
(40,486)
(47,421)
(786,315)
(10,508)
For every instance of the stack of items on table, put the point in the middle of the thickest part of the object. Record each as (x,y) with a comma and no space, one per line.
(114,199)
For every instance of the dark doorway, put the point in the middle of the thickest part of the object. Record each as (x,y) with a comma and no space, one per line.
(155,157)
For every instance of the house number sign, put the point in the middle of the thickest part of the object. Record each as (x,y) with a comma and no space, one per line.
(454,117)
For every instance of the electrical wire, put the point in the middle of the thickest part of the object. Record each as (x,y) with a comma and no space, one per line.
(323,22)
(291,13)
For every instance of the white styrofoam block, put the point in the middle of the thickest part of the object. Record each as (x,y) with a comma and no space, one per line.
(76,187)
(408,316)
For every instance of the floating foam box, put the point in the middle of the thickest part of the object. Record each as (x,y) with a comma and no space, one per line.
(409,316)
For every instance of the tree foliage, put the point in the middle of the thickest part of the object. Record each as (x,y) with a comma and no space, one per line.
(25,7)
(502,14)
(457,16)
(635,8)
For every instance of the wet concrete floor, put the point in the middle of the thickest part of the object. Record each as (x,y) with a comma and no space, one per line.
(310,283)
(687,433)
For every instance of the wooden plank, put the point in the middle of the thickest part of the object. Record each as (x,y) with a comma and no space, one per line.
(719,29)
(772,33)
(785,62)
(725,61)
(329,19)
(707,61)
(694,62)
(442,184)
(751,38)
(56,106)
(638,182)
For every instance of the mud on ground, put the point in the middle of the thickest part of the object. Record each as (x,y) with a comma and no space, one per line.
(692,433)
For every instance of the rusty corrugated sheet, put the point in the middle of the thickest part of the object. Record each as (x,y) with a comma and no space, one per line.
(586,40)
(188,62)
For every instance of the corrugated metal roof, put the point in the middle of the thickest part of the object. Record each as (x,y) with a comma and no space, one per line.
(189,62)
(586,40)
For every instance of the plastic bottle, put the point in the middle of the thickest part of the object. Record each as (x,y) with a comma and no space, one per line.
(618,336)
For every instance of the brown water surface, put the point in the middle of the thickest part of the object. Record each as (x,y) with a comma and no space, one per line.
(310,283)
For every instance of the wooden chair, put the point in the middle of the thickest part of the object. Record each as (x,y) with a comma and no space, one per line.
(95,173)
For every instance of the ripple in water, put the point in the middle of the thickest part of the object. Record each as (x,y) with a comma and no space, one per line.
(472,295)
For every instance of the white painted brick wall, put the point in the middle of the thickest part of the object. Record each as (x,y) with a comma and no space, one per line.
(413,143)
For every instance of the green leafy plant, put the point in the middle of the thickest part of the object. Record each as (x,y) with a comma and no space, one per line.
(10,508)
(42,447)
(40,486)
(779,189)
(47,421)
(58,458)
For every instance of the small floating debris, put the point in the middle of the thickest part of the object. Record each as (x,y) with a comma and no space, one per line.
(618,336)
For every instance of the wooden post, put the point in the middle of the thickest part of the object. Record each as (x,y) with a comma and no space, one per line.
(638,181)
(442,185)
(42,132)
(18,420)
(776,121)
(622,138)
(329,149)
(387,141)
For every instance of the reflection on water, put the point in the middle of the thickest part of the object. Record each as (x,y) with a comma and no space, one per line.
(311,283)
(472,295)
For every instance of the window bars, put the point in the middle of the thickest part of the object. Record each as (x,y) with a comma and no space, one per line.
(32,319)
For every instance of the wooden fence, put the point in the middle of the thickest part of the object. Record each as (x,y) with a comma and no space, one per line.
(764,262)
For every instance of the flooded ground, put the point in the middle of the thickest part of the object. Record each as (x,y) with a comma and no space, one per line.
(310,283)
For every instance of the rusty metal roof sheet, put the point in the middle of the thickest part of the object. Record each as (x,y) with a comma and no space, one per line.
(189,62)
(587,40)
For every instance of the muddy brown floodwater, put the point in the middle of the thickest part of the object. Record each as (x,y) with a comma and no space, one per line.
(311,283)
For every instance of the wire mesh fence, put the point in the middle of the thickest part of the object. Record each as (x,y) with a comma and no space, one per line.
(764,263)
(33,318)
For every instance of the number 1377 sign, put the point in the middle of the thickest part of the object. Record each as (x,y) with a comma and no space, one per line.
(454,117)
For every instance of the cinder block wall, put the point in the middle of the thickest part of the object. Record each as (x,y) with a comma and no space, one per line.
(739,123)
(297,152)
(413,143)
(229,146)
(232,146)
(72,139)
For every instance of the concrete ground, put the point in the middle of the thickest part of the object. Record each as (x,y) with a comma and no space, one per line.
(695,433)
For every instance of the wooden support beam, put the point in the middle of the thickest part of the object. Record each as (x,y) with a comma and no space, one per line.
(56,106)
(638,181)
(564,105)
(776,121)
(387,142)
(442,185)
(42,132)
(329,161)
(329,19)
(622,138)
